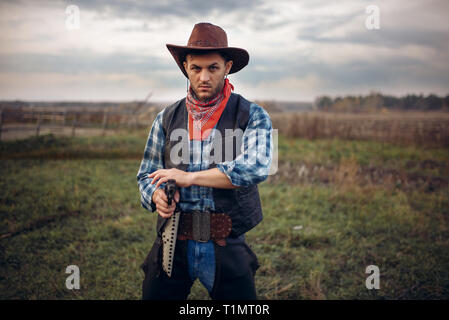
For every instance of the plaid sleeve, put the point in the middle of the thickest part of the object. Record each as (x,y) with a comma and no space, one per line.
(253,164)
(153,159)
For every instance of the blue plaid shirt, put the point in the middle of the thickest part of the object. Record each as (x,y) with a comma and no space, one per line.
(240,173)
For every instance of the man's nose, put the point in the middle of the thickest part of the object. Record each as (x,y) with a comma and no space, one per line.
(204,75)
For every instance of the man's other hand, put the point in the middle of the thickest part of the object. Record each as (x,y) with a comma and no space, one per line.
(183,179)
(161,202)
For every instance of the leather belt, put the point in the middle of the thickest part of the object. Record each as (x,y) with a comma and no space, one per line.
(203,226)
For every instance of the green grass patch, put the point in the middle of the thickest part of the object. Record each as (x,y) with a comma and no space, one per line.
(315,241)
(429,161)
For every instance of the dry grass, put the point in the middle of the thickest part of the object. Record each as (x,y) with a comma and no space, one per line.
(346,175)
(422,128)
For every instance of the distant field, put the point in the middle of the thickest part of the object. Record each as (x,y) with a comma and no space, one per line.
(333,208)
(400,128)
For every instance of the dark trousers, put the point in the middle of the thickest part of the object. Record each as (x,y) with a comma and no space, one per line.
(236,265)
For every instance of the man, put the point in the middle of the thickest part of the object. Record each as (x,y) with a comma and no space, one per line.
(217,194)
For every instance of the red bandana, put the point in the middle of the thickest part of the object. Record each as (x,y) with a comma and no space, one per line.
(204,115)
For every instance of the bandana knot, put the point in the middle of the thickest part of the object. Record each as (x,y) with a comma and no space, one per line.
(203,115)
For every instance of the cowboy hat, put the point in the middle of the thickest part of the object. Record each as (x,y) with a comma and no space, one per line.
(209,37)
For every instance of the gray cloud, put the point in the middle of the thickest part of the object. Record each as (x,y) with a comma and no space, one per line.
(152,9)
(420,24)
(391,69)
(75,63)
(391,38)
(387,72)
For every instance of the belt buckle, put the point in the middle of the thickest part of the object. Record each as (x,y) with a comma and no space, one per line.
(201,226)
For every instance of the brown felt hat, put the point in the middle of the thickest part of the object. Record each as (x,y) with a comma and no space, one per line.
(209,37)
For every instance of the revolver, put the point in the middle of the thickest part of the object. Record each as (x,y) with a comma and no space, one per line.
(170,190)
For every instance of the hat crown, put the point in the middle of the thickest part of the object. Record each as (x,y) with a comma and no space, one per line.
(207,35)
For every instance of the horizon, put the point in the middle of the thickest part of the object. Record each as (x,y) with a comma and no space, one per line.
(256,99)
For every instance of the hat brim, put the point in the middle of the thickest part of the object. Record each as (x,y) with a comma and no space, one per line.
(239,56)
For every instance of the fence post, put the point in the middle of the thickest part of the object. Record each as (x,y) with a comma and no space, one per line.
(75,120)
(1,122)
(38,125)
(105,120)
(137,122)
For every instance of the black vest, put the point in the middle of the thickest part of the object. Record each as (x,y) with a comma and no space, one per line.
(241,204)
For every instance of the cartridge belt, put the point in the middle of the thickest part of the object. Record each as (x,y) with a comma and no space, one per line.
(203,226)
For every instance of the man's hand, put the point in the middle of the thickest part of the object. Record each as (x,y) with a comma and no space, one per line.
(183,179)
(212,178)
(161,201)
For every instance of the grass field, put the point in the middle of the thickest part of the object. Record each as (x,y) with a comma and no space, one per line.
(75,202)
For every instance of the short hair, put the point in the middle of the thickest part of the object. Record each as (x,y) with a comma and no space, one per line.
(203,52)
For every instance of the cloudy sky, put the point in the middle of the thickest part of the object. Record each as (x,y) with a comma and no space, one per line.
(298,49)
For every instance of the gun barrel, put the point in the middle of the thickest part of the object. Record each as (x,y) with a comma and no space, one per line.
(170,190)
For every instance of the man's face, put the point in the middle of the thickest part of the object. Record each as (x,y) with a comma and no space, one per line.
(206,73)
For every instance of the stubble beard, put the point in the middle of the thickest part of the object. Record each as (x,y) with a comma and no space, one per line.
(213,94)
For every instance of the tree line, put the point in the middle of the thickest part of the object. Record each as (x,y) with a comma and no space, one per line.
(378,102)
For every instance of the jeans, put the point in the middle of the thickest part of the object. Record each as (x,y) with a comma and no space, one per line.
(228,273)
(201,262)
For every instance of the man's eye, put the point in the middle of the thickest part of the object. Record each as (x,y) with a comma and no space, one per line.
(214,67)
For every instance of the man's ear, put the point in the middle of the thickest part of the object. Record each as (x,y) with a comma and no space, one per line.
(228,66)
(184,63)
